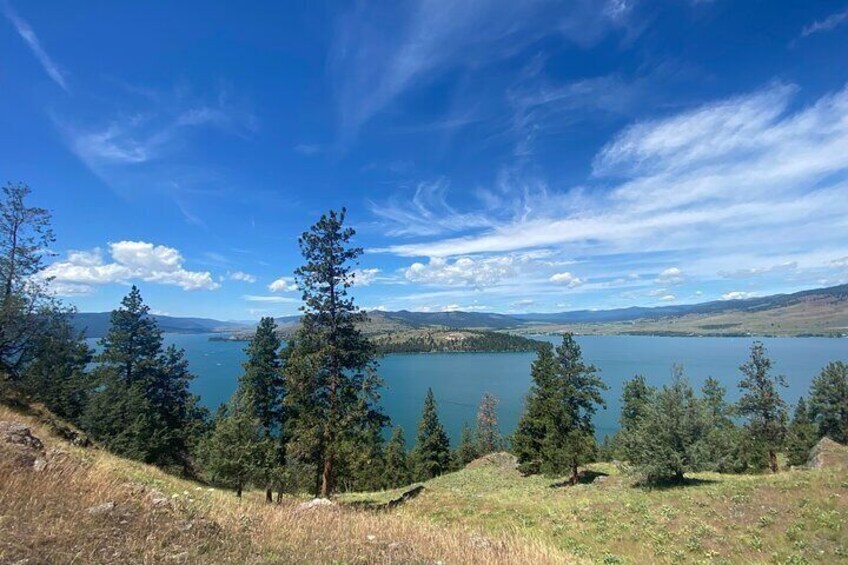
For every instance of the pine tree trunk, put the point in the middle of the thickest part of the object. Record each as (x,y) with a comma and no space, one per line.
(238,491)
(772,461)
(269,496)
(326,477)
(575,476)
(279,497)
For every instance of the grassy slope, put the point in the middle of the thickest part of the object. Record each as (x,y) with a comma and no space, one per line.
(483,514)
(793,517)
(45,518)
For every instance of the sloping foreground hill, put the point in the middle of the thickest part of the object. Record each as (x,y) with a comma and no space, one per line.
(793,517)
(65,504)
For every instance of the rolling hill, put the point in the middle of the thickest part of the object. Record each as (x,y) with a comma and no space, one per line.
(822,311)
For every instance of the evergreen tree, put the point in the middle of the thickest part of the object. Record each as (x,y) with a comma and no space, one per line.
(468,449)
(26,304)
(717,450)
(560,436)
(801,436)
(432,453)
(236,449)
(636,398)
(761,404)
(362,452)
(829,402)
(488,433)
(262,384)
(398,472)
(143,408)
(539,411)
(664,440)
(330,374)
(57,375)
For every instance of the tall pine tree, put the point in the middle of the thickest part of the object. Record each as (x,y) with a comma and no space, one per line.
(801,435)
(559,435)
(27,305)
(57,375)
(143,408)
(398,472)
(829,402)
(761,404)
(432,454)
(330,373)
(488,432)
(468,449)
(262,386)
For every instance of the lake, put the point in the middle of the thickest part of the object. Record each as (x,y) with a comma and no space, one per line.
(459,380)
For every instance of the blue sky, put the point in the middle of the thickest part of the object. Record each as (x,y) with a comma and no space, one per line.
(493,155)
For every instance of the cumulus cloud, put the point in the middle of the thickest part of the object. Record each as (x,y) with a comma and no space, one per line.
(283,284)
(241,276)
(364,277)
(567,279)
(672,275)
(462,271)
(130,261)
(737,295)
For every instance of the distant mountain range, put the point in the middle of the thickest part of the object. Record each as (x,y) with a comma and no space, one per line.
(821,311)
(96,324)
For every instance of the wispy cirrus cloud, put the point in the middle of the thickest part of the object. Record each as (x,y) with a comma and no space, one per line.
(737,185)
(28,35)
(827,24)
(722,164)
(374,63)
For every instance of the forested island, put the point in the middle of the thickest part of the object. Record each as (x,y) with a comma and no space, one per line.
(434,340)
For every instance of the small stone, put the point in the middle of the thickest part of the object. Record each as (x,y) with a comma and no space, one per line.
(19,434)
(39,465)
(104,508)
(371,537)
(315,503)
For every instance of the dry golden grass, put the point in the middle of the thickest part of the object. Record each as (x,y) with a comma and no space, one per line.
(45,517)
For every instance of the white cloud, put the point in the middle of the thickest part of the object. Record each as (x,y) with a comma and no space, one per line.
(28,34)
(307,149)
(364,277)
(668,297)
(566,278)
(729,184)
(283,284)
(462,271)
(751,272)
(379,54)
(832,21)
(241,276)
(737,295)
(131,260)
(426,213)
(672,275)
(266,298)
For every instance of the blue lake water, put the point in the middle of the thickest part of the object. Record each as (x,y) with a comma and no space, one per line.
(459,380)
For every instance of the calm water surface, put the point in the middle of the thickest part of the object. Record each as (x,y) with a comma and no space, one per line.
(460,379)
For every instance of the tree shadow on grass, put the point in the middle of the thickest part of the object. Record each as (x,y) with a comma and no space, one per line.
(585,477)
(669,484)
